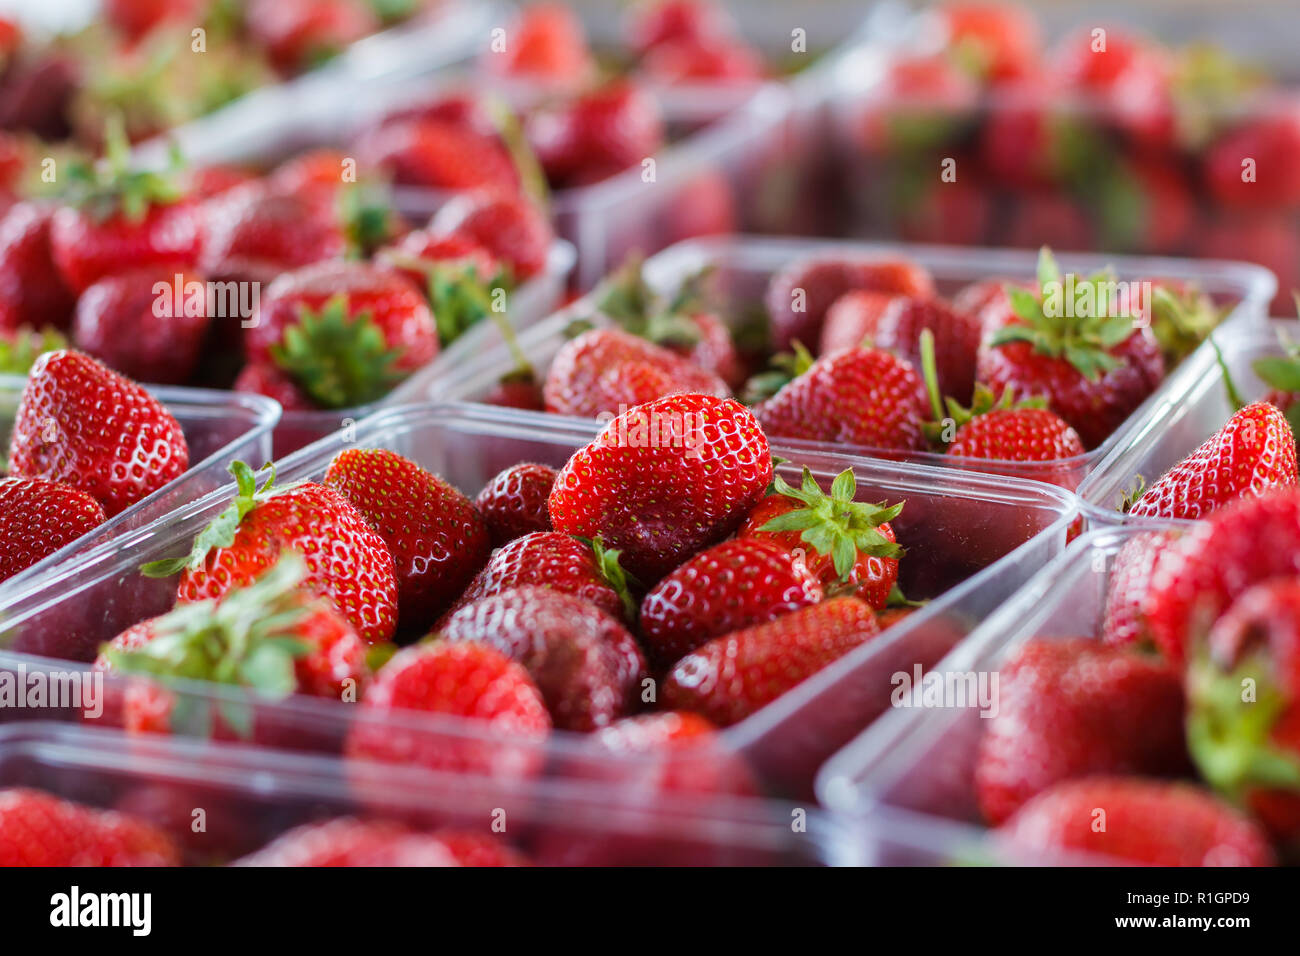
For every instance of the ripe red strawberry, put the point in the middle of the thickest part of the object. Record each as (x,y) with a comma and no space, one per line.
(603,371)
(1048,217)
(1253,452)
(208,182)
(1094,367)
(1003,40)
(731,677)
(664,480)
(253,234)
(847,544)
(1130,579)
(596,135)
(347,561)
(961,213)
(459,107)
(895,324)
(712,60)
(1244,724)
(37,517)
(63,433)
(730,586)
(546,42)
(475,849)
(118,219)
(514,502)
(1025,140)
(854,396)
(436,536)
(655,22)
(261,379)
(1250,166)
(520,392)
(347,842)
(799,295)
(676,751)
(1127,78)
(1138,821)
(437,155)
(267,635)
(923,101)
(1264,237)
(298,34)
(37,829)
(346,332)
(559,561)
(1074,708)
(510,226)
(146,324)
(32,292)
(587,666)
(1197,577)
(456,679)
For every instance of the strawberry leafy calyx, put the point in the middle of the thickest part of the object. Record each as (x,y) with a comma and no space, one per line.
(627,299)
(220,533)
(337,358)
(110,187)
(248,638)
(1070,318)
(835,524)
(20,349)
(607,560)
(366,215)
(949,414)
(785,368)
(1182,319)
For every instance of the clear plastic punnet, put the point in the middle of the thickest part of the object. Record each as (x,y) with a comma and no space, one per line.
(971,541)
(218,426)
(741,267)
(910,776)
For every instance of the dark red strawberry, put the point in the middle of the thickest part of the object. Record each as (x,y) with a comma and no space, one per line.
(853,396)
(1253,452)
(455,679)
(712,60)
(32,292)
(731,677)
(146,324)
(346,332)
(587,665)
(37,517)
(1130,579)
(664,480)
(847,544)
(510,226)
(596,135)
(1074,708)
(208,182)
(655,22)
(1128,78)
(1000,40)
(1138,821)
(37,829)
(799,295)
(436,155)
(730,586)
(64,432)
(298,34)
(1250,166)
(514,502)
(437,537)
(545,41)
(347,561)
(271,381)
(253,234)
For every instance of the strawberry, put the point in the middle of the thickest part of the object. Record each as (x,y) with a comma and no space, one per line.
(347,561)
(436,155)
(664,480)
(853,396)
(895,324)
(1126,590)
(475,849)
(587,666)
(654,22)
(458,679)
(117,219)
(269,380)
(253,233)
(208,182)
(731,677)
(37,829)
(960,213)
(32,292)
(730,586)
(456,273)
(1074,708)
(1001,40)
(1094,367)
(509,226)
(130,322)
(1253,452)
(695,60)
(514,502)
(842,541)
(1244,724)
(558,561)
(37,517)
(135,18)
(676,751)
(459,107)
(545,42)
(1265,237)
(516,392)
(437,537)
(596,135)
(298,34)
(1250,166)
(1197,577)
(1027,138)
(346,332)
(603,371)
(923,101)
(347,842)
(1138,821)
(62,432)
(1127,78)
(1048,217)
(798,296)
(267,635)
(1148,205)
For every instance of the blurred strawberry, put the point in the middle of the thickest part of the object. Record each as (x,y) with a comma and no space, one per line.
(651,23)
(1251,165)
(253,234)
(38,829)
(597,134)
(545,41)
(433,154)
(298,34)
(508,225)
(32,292)
(708,60)
(1000,41)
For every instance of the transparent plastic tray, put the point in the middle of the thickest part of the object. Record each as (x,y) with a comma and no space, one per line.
(250,796)
(218,426)
(911,775)
(742,266)
(1194,408)
(972,541)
